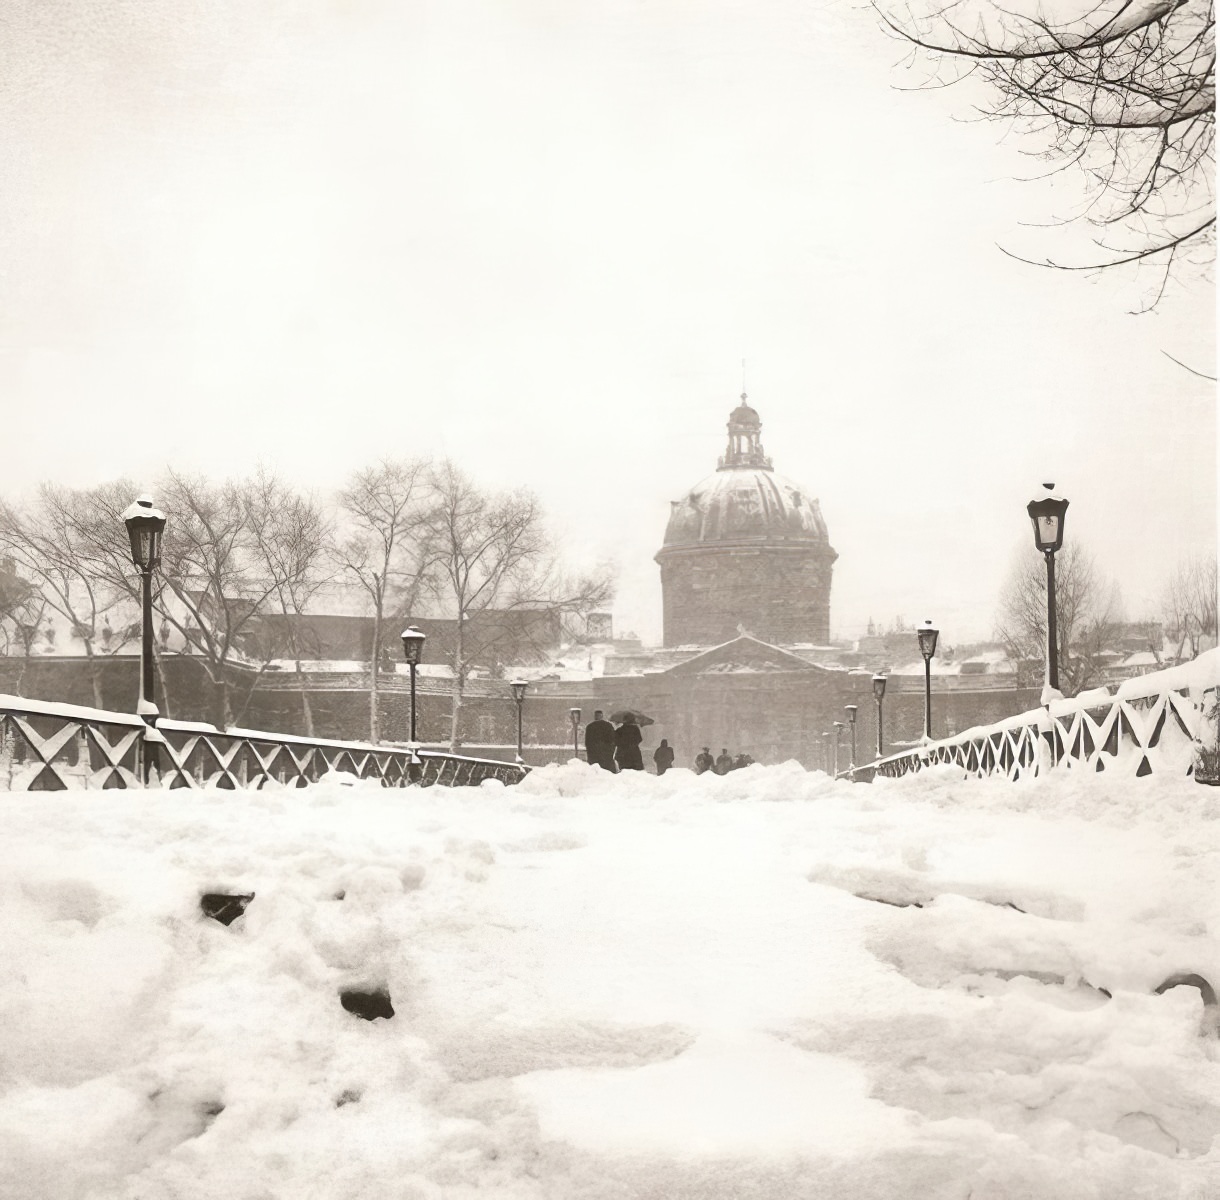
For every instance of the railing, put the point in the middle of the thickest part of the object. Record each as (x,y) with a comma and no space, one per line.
(49,747)
(1153,724)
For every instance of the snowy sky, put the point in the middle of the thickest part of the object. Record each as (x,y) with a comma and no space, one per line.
(541,237)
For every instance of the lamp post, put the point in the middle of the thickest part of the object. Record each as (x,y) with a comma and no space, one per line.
(851,710)
(838,728)
(878,696)
(574,717)
(927,634)
(519,686)
(826,750)
(413,649)
(1047,513)
(145,525)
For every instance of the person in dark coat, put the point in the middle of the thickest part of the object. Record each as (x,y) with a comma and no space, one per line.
(742,760)
(724,762)
(599,742)
(663,756)
(627,739)
(704,761)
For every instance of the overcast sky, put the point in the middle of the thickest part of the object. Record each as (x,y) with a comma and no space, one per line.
(540,237)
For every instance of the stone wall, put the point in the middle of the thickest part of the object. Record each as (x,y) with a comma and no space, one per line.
(780,594)
(771,716)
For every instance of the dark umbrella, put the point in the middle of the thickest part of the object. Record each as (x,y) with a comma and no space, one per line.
(638,717)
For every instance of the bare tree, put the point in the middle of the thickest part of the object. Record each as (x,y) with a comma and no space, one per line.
(1124,90)
(209,587)
(1188,604)
(289,536)
(22,608)
(387,551)
(493,555)
(45,542)
(1088,615)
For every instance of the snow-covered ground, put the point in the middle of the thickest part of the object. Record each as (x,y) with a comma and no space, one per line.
(765,986)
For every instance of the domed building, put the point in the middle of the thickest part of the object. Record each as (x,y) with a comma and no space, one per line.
(746,550)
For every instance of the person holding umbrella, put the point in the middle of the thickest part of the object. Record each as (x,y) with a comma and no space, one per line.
(627,739)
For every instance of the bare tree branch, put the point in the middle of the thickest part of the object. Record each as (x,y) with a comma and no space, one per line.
(1125,93)
(386,548)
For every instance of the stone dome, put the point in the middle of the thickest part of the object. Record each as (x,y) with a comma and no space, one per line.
(746,550)
(736,504)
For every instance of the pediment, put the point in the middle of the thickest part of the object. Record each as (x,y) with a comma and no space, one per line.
(744,655)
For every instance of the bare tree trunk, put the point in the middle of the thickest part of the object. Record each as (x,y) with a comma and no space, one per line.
(459,680)
(164,706)
(95,675)
(232,720)
(306,710)
(374,705)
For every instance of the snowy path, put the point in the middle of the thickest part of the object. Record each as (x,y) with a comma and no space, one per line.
(662,964)
(615,989)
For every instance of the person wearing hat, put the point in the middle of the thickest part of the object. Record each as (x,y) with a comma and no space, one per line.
(627,739)
(599,742)
(663,756)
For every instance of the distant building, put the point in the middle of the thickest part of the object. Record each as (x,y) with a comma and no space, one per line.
(746,550)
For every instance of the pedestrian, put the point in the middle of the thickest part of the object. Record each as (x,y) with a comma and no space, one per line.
(704,761)
(742,760)
(724,762)
(663,756)
(627,739)
(599,742)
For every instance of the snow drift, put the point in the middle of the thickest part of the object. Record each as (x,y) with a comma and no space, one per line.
(592,986)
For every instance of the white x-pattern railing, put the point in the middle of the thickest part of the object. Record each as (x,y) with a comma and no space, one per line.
(48,747)
(1151,725)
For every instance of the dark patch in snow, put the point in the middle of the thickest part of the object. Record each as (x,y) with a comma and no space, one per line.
(1038,976)
(1196,981)
(891,903)
(368,1005)
(473,1053)
(340,894)
(222,908)
(350,1096)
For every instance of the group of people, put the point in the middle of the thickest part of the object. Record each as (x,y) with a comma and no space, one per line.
(722,764)
(617,748)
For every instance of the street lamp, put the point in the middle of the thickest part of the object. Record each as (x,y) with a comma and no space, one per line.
(838,728)
(413,649)
(519,686)
(826,750)
(927,634)
(879,695)
(851,710)
(574,717)
(1047,513)
(145,525)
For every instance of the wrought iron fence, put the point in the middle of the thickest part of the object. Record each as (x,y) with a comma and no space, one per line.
(49,747)
(1154,724)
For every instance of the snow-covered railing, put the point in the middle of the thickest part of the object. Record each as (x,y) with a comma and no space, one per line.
(1153,724)
(49,747)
